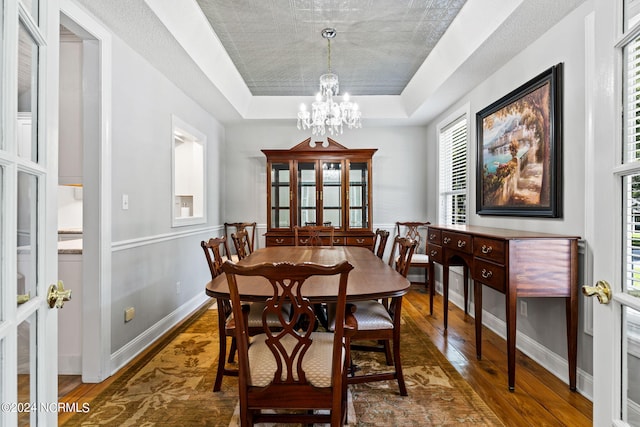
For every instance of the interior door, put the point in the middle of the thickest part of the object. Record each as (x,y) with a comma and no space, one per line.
(28,218)
(613,224)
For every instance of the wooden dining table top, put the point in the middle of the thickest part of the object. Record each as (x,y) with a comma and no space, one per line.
(371,277)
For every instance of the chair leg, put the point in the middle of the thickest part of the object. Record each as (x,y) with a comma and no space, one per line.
(398,366)
(387,352)
(232,350)
(221,357)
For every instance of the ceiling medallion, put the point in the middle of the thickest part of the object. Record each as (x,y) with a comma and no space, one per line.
(325,112)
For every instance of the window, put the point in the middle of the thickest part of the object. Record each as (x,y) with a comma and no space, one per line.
(452,139)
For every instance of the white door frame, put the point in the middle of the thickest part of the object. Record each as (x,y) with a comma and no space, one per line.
(96,305)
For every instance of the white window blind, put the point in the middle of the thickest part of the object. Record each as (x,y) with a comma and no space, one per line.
(453,172)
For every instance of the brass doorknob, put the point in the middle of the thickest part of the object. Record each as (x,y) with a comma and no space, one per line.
(601,290)
(58,295)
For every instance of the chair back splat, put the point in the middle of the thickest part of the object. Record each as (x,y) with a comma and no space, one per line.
(292,367)
(241,243)
(314,235)
(380,242)
(250,227)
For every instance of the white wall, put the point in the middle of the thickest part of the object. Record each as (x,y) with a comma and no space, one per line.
(545,323)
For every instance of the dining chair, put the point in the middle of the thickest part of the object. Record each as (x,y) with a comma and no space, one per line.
(242,244)
(417,231)
(379,320)
(313,235)
(213,251)
(238,226)
(291,374)
(380,242)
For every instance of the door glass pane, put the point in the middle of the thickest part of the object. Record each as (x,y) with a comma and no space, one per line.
(27,237)
(307,193)
(631,126)
(27,369)
(332,193)
(280,195)
(27,96)
(631,367)
(631,13)
(358,195)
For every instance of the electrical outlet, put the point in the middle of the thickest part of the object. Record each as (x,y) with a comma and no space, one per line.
(129,314)
(178,288)
(523,308)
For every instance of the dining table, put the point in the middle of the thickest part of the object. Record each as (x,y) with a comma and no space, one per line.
(371,277)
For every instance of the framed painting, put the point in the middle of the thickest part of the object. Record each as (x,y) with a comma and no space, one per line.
(519,150)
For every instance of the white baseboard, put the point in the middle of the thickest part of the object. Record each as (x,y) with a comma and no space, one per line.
(549,360)
(134,347)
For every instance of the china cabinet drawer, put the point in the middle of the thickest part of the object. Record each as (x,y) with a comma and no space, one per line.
(279,241)
(457,241)
(490,249)
(489,274)
(360,241)
(435,253)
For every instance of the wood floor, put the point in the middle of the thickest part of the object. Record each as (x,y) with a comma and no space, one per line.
(540,399)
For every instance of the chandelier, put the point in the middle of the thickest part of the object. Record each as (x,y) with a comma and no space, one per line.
(325,112)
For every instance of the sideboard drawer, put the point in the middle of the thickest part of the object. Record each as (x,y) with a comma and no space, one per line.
(359,241)
(490,274)
(279,241)
(489,249)
(435,253)
(434,236)
(457,241)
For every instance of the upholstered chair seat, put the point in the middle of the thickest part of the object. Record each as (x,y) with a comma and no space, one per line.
(316,363)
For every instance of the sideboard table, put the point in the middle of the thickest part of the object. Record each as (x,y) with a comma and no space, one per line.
(517,264)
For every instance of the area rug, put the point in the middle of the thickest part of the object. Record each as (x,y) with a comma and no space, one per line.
(172,386)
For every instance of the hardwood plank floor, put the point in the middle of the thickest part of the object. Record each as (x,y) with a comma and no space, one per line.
(539,399)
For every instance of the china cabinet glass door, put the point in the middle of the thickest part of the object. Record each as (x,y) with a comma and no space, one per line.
(358,195)
(280,195)
(307,193)
(331,196)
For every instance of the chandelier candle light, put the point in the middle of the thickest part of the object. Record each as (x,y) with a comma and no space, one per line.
(325,112)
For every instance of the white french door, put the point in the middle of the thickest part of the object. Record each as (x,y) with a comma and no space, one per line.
(614,228)
(28,211)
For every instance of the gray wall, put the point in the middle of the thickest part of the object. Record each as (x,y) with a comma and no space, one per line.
(150,256)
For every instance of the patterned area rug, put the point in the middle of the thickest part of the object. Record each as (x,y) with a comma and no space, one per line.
(173,387)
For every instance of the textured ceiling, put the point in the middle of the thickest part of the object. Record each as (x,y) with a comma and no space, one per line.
(277,47)
(483,37)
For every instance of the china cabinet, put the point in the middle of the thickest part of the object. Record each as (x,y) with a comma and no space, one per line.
(319,184)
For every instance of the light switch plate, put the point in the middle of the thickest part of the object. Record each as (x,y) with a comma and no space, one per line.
(125,202)
(129,314)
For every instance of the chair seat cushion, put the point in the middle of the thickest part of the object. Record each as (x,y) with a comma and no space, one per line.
(316,363)
(372,315)
(419,259)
